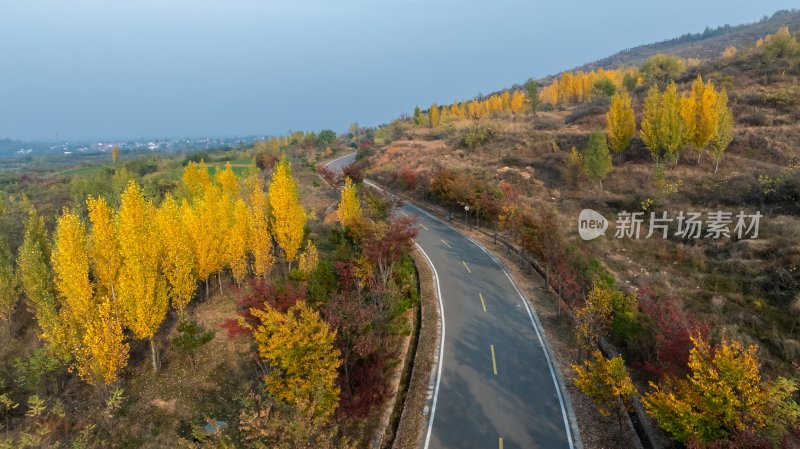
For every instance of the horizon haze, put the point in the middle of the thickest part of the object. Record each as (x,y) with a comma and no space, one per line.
(88,70)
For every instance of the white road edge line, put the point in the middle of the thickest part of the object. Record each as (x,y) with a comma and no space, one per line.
(441,347)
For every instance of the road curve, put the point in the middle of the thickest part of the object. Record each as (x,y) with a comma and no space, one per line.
(496,385)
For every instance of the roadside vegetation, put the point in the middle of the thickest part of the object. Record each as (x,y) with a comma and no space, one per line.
(223,299)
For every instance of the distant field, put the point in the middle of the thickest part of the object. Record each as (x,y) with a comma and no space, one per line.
(239,167)
(81,171)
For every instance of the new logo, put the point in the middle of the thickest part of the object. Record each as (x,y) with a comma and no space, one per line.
(591,224)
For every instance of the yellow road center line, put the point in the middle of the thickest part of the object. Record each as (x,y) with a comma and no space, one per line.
(501,442)
(445,243)
(482,303)
(494,362)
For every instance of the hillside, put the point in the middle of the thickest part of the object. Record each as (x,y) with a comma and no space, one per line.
(525,176)
(704,46)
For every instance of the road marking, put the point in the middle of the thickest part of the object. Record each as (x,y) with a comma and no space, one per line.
(501,442)
(441,347)
(561,401)
(423,227)
(559,393)
(482,303)
(494,362)
(404,214)
(465,266)
(446,244)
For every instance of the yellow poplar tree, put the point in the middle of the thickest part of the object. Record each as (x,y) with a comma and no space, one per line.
(621,122)
(309,258)
(456,111)
(299,347)
(433,115)
(142,289)
(178,265)
(75,289)
(288,216)
(349,210)
(724,132)
(227,180)
(517,102)
(207,222)
(505,99)
(92,333)
(196,177)
(671,132)
(594,318)
(650,122)
(104,352)
(260,243)
(103,245)
(237,241)
(700,115)
(115,155)
(199,238)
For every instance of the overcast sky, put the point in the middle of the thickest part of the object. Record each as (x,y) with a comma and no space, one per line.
(99,69)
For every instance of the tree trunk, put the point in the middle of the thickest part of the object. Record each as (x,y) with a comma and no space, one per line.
(219,279)
(206,282)
(716,167)
(154,354)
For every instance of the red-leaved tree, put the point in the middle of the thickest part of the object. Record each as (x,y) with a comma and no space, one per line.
(672,328)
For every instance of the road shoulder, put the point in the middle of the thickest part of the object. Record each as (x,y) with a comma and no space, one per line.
(416,410)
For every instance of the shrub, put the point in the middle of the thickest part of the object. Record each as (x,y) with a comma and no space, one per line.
(477,136)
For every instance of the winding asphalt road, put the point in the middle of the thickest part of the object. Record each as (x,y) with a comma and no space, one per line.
(496,386)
